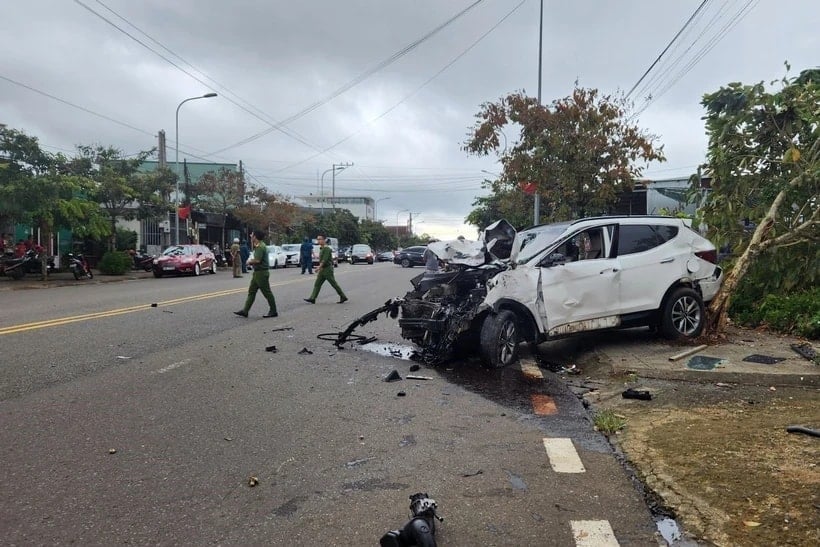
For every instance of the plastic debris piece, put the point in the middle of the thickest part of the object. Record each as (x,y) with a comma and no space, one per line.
(479,472)
(253,481)
(400,394)
(122,357)
(414,368)
(763,359)
(394,376)
(167,311)
(153,304)
(271,349)
(804,350)
(751,523)
(642,395)
(280,329)
(112,450)
(413,377)
(305,351)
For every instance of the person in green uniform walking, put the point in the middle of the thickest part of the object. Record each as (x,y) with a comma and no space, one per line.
(260,281)
(325,272)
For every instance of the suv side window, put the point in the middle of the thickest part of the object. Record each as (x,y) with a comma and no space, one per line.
(586,245)
(636,238)
(666,232)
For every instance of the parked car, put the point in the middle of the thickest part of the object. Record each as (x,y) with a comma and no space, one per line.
(386,256)
(292,251)
(184,259)
(361,253)
(334,255)
(558,280)
(409,257)
(277,257)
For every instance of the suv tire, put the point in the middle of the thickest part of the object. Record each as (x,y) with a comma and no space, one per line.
(405,263)
(499,339)
(683,314)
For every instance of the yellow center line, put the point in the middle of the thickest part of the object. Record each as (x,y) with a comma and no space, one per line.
(13,329)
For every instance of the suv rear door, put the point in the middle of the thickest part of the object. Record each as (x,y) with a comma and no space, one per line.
(652,258)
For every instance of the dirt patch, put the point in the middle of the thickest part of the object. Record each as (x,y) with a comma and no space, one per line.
(728,468)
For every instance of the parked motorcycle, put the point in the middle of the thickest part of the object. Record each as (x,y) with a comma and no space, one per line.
(142,261)
(79,266)
(17,267)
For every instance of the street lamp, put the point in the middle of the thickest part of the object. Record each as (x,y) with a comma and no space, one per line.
(176,162)
(334,168)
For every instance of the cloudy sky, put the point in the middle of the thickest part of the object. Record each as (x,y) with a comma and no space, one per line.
(379,83)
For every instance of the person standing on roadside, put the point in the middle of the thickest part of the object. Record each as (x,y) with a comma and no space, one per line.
(324,272)
(260,279)
(306,256)
(235,258)
(245,254)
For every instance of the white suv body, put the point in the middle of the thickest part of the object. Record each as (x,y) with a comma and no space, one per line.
(601,273)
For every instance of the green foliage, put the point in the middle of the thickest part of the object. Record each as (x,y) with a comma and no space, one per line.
(607,422)
(115,263)
(338,223)
(218,192)
(264,210)
(513,205)
(796,313)
(764,161)
(376,235)
(580,152)
(126,239)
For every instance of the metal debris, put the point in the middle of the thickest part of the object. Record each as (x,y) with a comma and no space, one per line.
(413,377)
(253,481)
(763,359)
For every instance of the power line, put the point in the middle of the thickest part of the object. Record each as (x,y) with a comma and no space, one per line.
(412,93)
(655,62)
(356,80)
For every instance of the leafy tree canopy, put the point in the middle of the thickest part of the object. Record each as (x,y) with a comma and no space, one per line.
(579,152)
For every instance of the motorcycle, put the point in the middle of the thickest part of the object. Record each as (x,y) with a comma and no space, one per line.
(79,266)
(142,261)
(17,267)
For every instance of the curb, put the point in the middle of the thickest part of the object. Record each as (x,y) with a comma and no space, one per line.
(810,379)
(53,283)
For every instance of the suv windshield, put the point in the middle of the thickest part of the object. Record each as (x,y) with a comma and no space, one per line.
(174,251)
(530,242)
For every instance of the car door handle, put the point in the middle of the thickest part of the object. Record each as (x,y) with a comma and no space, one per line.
(668,260)
(613,270)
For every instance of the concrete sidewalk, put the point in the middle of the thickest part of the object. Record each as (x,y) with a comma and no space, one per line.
(66,279)
(649,357)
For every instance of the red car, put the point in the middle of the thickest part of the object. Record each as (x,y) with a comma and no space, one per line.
(182,259)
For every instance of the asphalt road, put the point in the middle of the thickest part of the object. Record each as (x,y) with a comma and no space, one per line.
(193,405)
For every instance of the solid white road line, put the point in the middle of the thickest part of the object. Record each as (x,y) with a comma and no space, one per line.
(562,455)
(593,533)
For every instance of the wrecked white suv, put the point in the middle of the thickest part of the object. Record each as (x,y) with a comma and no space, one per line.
(556,280)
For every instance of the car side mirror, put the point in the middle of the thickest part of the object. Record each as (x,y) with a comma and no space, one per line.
(554,259)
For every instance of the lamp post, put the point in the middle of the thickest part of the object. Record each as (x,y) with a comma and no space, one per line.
(176,163)
(333,169)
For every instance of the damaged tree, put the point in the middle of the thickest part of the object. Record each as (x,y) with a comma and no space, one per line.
(764,158)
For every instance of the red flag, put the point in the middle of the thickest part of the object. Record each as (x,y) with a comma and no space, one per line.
(184,212)
(528,187)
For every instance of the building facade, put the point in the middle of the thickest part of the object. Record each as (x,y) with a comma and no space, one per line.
(362,207)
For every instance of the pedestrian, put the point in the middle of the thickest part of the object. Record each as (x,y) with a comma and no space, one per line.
(306,256)
(260,279)
(324,272)
(235,261)
(244,253)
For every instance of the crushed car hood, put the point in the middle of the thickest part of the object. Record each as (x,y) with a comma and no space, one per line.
(495,244)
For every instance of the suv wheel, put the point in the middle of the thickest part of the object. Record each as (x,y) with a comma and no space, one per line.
(405,263)
(499,340)
(683,314)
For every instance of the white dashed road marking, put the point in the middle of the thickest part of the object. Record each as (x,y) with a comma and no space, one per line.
(563,456)
(593,533)
(172,366)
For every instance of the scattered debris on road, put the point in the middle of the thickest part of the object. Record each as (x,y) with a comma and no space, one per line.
(701,362)
(356,463)
(413,377)
(271,349)
(112,450)
(280,329)
(414,367)
(804,350)
(401,394)
(153,304)
(479,472)
(394,376)
(641,395)
(253,481)
(305,351)
(804,430)
(123,357)
(420,529)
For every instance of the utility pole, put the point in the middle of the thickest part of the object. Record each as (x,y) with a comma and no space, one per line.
(241,183)
(340,166)
(163,161)
(537,198)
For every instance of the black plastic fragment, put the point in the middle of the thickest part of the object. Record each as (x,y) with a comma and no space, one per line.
(394,376)
(305,351)
(804,350)
(153,304)
(271,349)
(636,394)
(804,430)
(414,368)
(763,359)
(400,394)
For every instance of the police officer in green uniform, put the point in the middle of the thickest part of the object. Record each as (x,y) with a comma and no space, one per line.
(325,272)
(260,281)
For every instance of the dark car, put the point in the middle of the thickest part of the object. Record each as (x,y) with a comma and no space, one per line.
(409,257)
(185,259)
(361,253)
(386,256)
